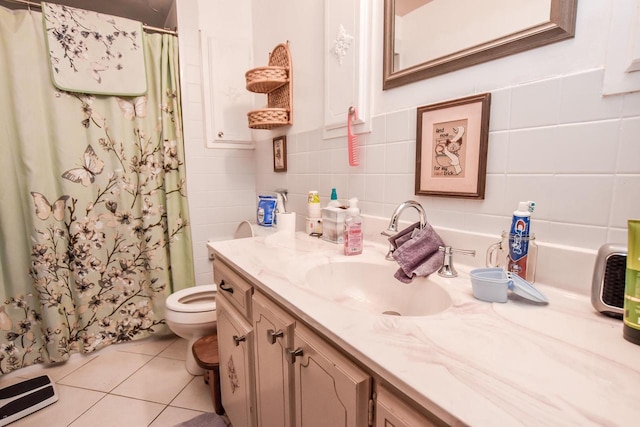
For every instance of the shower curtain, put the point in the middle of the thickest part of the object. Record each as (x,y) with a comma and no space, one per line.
(93,212)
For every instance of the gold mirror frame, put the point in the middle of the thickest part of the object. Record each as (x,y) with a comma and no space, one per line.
(561,26)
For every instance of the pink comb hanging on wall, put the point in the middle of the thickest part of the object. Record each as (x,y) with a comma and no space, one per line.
(354,147)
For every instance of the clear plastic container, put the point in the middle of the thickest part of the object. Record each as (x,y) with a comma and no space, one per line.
(498,254)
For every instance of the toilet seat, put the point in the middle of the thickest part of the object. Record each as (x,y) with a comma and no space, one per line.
(197,299)
(244,230)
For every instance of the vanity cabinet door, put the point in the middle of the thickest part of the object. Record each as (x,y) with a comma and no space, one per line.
(393,412)
(329,389)
(273,330)
(235,347)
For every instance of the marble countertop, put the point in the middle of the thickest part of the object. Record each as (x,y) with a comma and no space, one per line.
(478,363)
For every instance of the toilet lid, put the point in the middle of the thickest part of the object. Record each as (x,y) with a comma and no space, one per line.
(193,300)
(244,230)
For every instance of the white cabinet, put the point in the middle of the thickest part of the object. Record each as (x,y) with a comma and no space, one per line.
(226,48)
(274,375)
(235,338)
(347,65)
(276,371)
(299,374)
(622,65)
(394,412)
(235,345)
(330,390)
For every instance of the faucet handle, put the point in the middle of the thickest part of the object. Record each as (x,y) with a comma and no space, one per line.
(447,269)
(387,233)
(448,250)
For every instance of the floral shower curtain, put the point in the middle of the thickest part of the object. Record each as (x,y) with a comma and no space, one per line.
(93,213)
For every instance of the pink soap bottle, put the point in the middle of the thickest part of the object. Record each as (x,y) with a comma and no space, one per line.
(353,229)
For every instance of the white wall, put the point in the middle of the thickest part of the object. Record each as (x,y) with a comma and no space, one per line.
(220,182)
(300,23)
(553,137)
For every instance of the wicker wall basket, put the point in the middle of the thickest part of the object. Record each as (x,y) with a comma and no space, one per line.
(266,79)
(276,81)
(268,118)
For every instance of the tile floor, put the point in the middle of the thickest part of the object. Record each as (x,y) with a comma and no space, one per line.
(138,384)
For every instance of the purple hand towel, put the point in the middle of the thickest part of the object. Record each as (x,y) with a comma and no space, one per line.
(419,255)
(403,236)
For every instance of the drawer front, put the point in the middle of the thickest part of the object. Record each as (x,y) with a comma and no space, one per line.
(236,290)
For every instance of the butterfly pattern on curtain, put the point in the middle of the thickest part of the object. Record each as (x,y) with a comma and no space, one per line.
(99,265)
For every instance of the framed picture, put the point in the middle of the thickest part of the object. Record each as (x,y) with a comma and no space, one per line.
(451,147)
(280,154)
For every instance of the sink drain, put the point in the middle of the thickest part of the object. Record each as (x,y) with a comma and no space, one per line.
(391,313)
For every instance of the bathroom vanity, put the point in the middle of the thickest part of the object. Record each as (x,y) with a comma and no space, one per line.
(276,364)
(296,352)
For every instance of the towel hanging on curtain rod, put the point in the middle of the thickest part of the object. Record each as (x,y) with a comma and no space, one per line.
(95,53)
(144,26)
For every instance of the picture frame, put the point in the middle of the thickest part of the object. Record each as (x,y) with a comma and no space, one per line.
(451,147)
(280,154)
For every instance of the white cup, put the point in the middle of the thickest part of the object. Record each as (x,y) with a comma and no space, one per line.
(314,210)
(286,222)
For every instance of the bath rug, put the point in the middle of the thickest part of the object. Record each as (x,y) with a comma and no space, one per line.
(210,419)
(91,52)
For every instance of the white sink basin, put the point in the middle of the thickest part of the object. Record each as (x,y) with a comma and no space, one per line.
(371,287)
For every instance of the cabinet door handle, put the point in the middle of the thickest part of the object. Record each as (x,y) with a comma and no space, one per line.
(292,354)
(237,340)
(228,288)
(273,335)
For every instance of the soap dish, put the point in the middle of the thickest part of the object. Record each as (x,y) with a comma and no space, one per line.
(493,284)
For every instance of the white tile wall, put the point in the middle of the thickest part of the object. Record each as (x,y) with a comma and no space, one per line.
(556,141)
(535,104)
(628,147)
(220,182)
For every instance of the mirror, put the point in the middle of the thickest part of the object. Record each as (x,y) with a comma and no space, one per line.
(425,38)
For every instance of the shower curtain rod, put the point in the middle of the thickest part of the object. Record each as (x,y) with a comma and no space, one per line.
(145,27)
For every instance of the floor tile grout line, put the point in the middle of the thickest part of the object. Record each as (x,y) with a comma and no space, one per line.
(112,388)
(171,342)
(41,368)
(181,390)
(92,357)
(88,409)
(137,398)
(100,351)
(110,393)
(132,374)
(169,406)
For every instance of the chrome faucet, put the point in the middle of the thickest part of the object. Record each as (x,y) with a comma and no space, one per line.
(447,269)
(392,229)
(281,195)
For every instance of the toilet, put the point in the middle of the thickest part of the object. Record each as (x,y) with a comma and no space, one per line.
(251,229)
(191,314)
